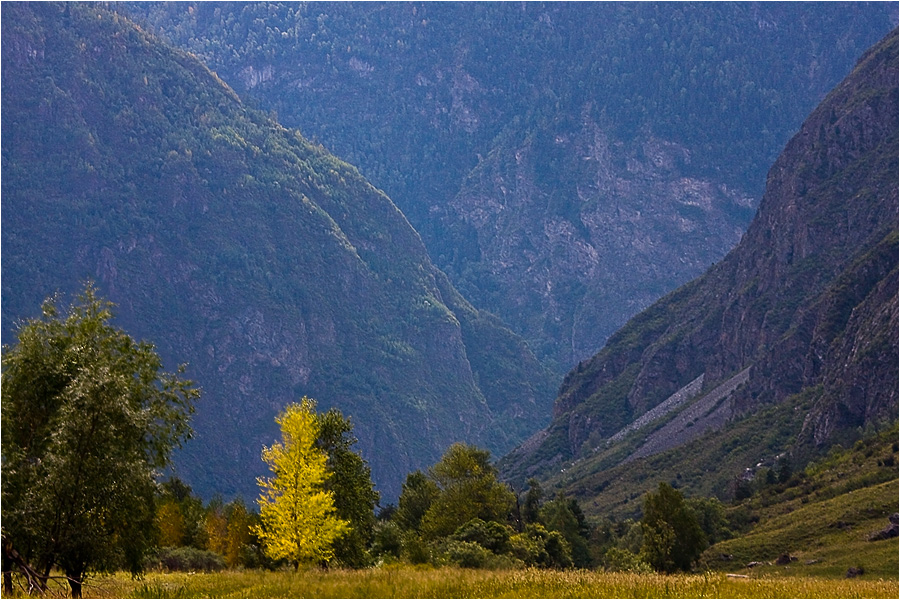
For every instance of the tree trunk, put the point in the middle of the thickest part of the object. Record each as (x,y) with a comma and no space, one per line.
(35,581)
(75,583)
(6,564)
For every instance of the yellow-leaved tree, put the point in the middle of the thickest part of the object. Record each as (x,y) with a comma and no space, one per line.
(296,513)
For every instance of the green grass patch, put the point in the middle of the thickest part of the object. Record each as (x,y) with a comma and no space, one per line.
(826,537)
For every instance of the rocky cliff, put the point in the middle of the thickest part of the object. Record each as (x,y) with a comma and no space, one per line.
(805,305)
(565,163)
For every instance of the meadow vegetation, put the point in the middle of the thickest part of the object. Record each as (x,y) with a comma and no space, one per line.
(452,582)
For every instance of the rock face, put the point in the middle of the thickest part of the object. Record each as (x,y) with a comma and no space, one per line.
(891,530)
(806,302)
(577,232)
(565,163)
(274,269)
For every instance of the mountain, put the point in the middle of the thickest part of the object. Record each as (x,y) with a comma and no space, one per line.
(566,163)
(786,346)
(234,244)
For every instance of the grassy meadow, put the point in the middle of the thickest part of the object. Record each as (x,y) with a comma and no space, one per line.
(413,582)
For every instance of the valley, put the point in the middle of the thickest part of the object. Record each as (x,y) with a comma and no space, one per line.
(565,306)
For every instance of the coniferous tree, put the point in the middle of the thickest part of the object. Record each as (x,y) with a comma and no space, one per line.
(532,503)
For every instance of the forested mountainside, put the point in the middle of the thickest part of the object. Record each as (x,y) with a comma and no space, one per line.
(566,163)
(786,346)
(271,267)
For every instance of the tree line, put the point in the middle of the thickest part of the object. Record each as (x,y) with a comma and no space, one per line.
(90,420)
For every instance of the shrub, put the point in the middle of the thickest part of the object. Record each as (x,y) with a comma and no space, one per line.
(189,559)
(527,549)
(489,535)
(538,547)
(388,542)
(468,555)
(617,559)
(414,549)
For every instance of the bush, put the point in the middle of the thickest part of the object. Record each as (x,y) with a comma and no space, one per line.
(527,549)
(388,542)
(471,555)
(189,559)
(251,556)
(617,559)
(489,535)
(537,547)
(468,555)
(414,549)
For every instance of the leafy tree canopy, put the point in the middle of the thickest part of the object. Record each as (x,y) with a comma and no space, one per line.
(419,492)
(89,418)
(673,538)
(469,489)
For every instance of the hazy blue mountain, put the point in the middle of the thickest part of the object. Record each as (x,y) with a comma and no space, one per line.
(236,245)
(566,163)
(785,347)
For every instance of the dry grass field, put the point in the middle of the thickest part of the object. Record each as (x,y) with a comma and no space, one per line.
(413,582)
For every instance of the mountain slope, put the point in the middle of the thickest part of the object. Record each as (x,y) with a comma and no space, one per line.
(828,517)
(798,322)
(566,163)
(234,244)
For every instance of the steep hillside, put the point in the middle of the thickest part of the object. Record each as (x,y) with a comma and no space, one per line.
(234,244)
(566,163)
(826,519)
(789,343)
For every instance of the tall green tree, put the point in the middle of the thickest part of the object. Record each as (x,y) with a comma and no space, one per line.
(419,493)
(565,516)
(532,504)
(180,509)
(88,418)
(350,481)
(297,513)
(239,523)
(673,538)
(468,489)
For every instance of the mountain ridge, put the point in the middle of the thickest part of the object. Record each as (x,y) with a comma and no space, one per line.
(477,119)
(805,304)
(232,243)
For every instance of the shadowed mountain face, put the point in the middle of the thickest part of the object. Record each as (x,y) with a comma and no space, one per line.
(274,269)
(566,163)
(804,307)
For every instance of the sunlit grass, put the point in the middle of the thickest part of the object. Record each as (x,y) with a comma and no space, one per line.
(826,537)
(411,582)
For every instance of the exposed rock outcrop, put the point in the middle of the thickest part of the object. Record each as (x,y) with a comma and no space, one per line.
(806,301)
